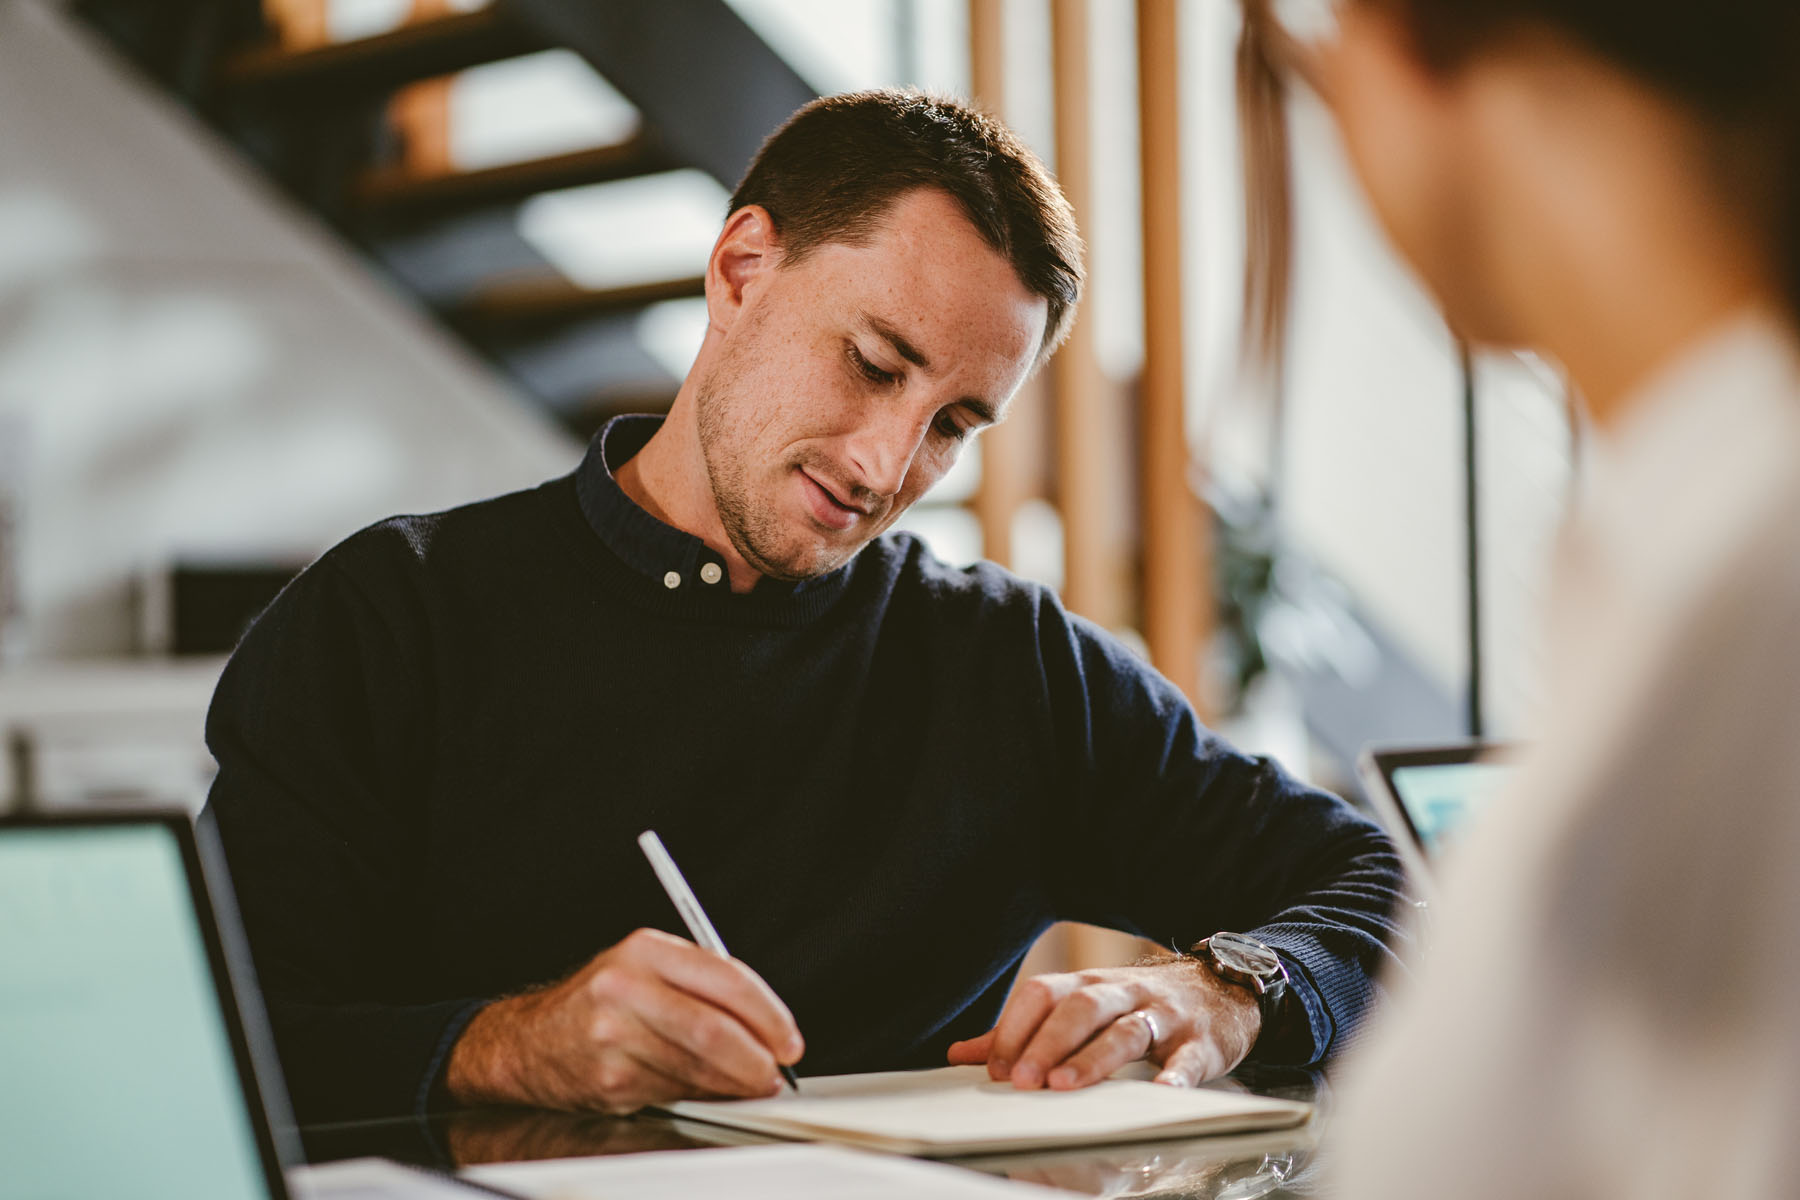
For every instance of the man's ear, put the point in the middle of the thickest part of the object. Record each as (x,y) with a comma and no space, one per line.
(746,250)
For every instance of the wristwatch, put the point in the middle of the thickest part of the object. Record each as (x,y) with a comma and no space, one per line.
(1237,958)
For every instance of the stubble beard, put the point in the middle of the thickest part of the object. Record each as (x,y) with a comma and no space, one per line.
(754,532)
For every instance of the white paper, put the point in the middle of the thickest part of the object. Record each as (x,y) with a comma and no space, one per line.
(958,1110)
(750,1173)
(373,1179)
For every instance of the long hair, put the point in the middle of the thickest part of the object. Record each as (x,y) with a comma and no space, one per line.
(1268,185)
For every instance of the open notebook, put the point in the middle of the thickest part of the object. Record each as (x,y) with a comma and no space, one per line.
(783,1172)
(958,1110)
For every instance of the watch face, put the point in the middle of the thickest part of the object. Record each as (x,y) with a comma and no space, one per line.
(1243,954)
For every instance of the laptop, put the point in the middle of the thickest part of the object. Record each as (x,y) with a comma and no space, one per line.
(134,1051)
(1427,794)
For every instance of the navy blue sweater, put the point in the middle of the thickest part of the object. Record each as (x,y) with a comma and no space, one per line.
(437,747)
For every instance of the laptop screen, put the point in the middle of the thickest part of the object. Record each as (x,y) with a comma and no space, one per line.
(116,1056)
(1440,797)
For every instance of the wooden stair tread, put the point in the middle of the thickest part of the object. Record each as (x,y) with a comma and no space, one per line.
(387,60)
(537,302)
(395,190)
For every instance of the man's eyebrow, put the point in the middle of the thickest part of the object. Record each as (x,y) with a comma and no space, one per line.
(983,411)
(894,337)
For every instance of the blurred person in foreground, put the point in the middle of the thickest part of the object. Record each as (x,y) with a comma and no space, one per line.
(1609,1006)
(884,776)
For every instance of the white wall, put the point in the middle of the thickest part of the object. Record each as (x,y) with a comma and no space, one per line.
(190,367)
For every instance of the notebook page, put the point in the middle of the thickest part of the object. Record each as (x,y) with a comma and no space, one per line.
(955,1106)
(750,1173)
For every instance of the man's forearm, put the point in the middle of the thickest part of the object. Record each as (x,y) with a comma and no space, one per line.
(484,1065)
(358,1061)
(652,1019)
(1336,935)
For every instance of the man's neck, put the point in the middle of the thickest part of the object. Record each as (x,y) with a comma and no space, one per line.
(668,480)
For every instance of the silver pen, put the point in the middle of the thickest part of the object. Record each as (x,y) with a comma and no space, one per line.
(692,915)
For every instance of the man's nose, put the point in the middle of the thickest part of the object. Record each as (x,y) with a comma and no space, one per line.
(882,451)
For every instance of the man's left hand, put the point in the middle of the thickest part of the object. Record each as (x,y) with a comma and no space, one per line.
(1071,1030)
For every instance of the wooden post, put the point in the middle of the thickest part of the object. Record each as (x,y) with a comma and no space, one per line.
(1083,438)
(1177,590)
(1012,452)
(420,114)
(299,24)
(1007,448)
(1088,416)
(987,55)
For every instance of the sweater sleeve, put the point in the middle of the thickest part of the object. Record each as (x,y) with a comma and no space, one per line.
(320,726)
(1169,832)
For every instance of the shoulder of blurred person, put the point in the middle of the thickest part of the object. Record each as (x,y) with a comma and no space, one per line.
(1622,968)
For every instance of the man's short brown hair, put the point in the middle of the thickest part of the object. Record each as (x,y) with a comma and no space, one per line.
(833,170)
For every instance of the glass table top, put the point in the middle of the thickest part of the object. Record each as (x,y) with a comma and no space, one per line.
(1232,1167)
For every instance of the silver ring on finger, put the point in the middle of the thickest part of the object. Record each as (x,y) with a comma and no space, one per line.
(1149,1023)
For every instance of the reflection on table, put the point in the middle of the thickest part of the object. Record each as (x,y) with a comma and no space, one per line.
(1217,1168)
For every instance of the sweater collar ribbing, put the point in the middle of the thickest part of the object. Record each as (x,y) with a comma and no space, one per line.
(689,573)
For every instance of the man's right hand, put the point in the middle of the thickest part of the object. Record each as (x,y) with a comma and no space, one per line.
(653,1019)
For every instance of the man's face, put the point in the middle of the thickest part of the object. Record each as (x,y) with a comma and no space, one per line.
(848,384)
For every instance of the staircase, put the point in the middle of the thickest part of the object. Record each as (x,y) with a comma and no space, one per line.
(352,131)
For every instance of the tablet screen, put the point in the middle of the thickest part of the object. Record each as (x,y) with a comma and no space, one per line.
(117,1075)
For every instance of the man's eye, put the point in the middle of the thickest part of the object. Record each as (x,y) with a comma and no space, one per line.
(950,427)
(869,370)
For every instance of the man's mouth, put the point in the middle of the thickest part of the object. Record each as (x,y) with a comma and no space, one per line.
(827,506)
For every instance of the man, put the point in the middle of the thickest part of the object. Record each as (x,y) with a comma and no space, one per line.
(883,777)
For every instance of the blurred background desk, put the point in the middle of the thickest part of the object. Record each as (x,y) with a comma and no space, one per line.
(1217,1168)
(106,732)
